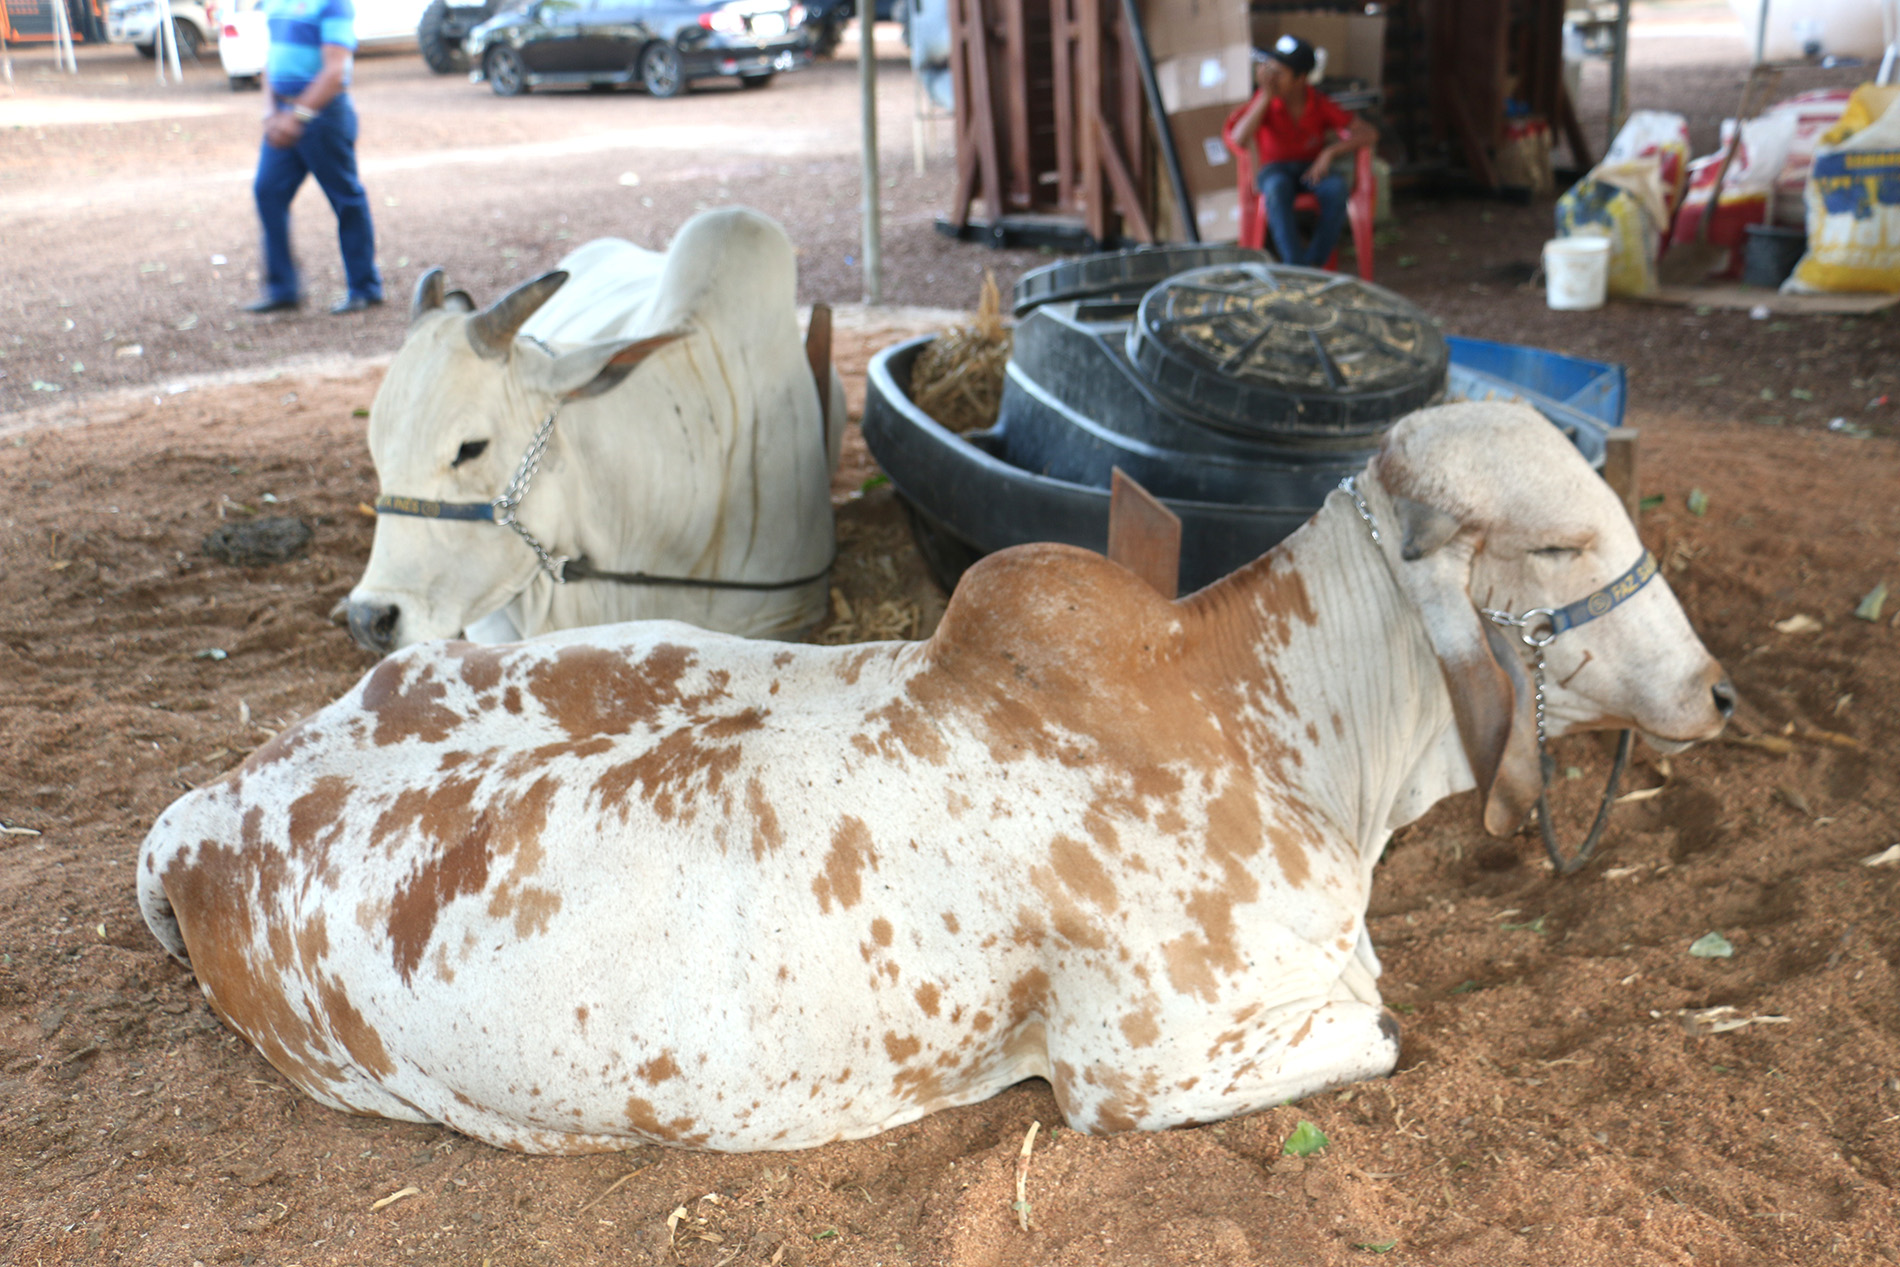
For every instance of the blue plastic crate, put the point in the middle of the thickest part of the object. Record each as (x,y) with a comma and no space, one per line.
(1584,399)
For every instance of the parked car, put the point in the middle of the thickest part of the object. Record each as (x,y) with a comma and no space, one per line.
(445,27)
(244,38)
(135,22)
(661,45)
(829,16)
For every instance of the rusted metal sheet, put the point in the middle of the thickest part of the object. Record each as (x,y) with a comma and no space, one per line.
(818,356)
(1144,536)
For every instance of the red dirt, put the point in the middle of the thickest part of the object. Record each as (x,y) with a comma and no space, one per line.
(1551,1106)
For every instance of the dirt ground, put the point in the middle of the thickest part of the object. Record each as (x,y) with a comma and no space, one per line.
(1564,1095)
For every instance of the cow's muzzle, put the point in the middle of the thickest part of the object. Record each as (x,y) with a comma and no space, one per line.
(373,625)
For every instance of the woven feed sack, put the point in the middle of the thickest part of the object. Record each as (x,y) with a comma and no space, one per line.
(1623,202)
(1664,135)
(1853,202)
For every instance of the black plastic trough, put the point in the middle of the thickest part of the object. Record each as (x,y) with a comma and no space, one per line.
(1237,391)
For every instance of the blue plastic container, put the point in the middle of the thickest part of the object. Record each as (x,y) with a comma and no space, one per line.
(1582,398)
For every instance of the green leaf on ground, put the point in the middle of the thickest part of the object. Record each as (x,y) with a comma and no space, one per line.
(1801,393)
(1869,608)
(1712,946)
(1708,380)
(1465,987)
(1408,261)
(1305,1140)
(1651,502)
(1698,502)
(1529,926)
(875,481)
(1376,1247)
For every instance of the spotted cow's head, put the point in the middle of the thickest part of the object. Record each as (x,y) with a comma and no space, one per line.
(1496,509)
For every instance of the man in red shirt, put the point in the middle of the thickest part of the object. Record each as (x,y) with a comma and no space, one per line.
(1297,131)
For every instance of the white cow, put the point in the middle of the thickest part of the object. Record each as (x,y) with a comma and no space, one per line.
(648,883)
(709,465)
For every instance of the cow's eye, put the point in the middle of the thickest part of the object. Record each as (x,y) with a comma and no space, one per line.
(1556,552)
(470,450)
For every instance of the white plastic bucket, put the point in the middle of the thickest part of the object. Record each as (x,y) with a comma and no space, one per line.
(1576,272)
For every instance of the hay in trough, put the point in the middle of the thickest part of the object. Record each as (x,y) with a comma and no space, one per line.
(958,378)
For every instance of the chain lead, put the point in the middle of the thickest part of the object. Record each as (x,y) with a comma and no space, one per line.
(510,500)
(1351,487)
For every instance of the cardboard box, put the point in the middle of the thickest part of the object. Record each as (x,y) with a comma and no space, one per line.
(1180,28)
(1224,77)
(1206,164)
(1216,215)
(1354,42)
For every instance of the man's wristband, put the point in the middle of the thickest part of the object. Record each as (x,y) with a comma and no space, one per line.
(304,113)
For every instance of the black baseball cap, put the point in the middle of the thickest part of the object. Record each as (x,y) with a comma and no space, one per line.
(1291,52)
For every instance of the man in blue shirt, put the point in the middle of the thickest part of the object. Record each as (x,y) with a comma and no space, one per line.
(311,130)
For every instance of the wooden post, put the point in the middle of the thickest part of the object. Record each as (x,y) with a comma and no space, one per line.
(1143,535)
(1620,468)
(979,169)
(1062,30)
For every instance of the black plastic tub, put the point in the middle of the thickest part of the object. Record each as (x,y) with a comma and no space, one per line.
(1237,390)
(965,500)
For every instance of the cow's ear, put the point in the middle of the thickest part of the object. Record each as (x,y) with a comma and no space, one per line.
(428,296)
(1516,780)
(1491,698)
(1423,528)
(601,367)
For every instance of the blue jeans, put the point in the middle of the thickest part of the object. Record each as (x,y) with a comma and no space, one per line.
(1279,184)
(326,150)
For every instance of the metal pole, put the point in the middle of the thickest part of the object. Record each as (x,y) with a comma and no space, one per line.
(867,144)
(167,44)
(1165,135)
(63,56)
(1619,69)
(1761,36)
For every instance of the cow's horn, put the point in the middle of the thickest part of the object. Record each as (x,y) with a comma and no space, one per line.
(428,295)
(492,331)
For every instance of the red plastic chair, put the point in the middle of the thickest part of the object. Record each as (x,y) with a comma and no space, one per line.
(1253,209)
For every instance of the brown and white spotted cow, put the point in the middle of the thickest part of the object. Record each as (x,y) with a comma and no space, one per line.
(649,883)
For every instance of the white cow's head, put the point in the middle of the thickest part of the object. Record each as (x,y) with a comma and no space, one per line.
(460,406)
(1495,509)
